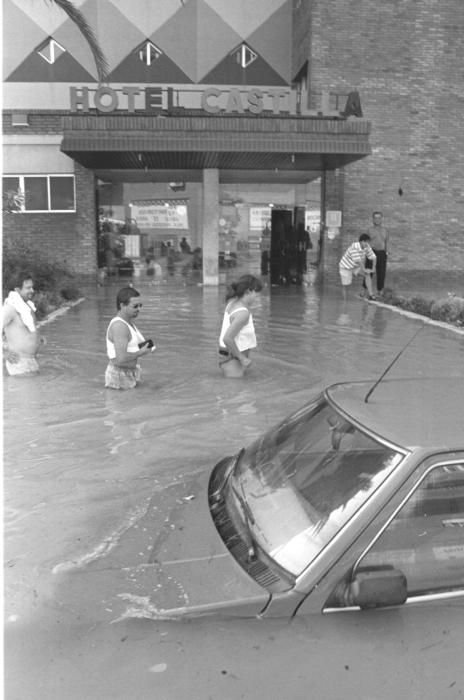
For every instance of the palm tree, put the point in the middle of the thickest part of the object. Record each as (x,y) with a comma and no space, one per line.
(76,16)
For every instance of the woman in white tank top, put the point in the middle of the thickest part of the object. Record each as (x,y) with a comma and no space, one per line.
(237,335)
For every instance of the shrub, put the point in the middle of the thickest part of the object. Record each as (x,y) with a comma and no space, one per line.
(54,283)
(421,305)
(70,293)
(400,301)
(387,295)
(449,310)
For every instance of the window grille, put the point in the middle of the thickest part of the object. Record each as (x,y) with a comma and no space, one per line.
(50,51)
(149,53)
(244,56)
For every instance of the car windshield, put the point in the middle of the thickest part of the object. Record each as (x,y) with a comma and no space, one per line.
(305,479)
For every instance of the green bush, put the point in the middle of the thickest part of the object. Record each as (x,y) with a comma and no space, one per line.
(421,305)
(400,301)
(54,283)
(450,310)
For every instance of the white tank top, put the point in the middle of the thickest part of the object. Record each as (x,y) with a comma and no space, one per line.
(246,337)
(135,339)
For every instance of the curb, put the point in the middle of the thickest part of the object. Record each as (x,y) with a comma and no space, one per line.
(419,317)
(59,312)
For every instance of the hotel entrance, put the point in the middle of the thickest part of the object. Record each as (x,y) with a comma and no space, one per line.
(144,222)
(214,186)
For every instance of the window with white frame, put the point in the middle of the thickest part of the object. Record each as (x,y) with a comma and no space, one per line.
(39,193)
(148,53)
(50,50)
(244,55)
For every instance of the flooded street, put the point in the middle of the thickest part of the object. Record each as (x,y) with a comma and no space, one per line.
(88,473)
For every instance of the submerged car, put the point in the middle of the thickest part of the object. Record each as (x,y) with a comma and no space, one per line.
(355,501)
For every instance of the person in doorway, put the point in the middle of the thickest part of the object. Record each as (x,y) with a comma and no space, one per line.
(303,242)
(150,261)
(237,335)
(171,257)
(21,339)
(354,261)
(379,244)
(125,344)
(154,270)
(265,248)
(184,245)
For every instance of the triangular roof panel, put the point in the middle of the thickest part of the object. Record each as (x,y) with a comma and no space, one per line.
(273,41)
(116,45)
(252,13)
(20,37)
(229,72)
(147,15)
(177,38)
(133,70)
(36,70)
(46,15)
(216,35)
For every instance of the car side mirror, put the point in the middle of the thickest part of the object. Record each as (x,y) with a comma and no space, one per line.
(378,586)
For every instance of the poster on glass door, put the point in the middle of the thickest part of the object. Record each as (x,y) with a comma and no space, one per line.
(160,215)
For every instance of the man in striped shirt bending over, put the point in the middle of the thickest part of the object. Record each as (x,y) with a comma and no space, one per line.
(353,262)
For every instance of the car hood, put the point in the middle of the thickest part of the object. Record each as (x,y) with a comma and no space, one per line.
(189,570)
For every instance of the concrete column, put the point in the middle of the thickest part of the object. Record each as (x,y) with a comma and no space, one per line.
(332,249)
(210,242)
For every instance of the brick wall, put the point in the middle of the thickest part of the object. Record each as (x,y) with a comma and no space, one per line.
(39,122)
(405,59)
(64,238)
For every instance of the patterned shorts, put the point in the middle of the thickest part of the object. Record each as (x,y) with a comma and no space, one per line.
(121,378)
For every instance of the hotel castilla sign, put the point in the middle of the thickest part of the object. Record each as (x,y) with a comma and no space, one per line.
(213,100)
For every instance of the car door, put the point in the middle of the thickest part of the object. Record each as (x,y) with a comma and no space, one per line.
(417,556)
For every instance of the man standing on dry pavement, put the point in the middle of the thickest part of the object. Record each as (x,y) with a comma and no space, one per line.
(379,244)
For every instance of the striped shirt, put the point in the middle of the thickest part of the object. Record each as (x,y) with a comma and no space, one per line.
(354,255)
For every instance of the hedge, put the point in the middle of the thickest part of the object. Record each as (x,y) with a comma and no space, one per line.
(449,309)
(54,284)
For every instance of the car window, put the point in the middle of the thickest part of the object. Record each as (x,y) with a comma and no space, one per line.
(426,538)
(303,481)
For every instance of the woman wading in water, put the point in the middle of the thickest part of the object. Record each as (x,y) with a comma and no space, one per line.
(237,336)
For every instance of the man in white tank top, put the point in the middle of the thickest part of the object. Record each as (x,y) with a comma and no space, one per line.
(124,342)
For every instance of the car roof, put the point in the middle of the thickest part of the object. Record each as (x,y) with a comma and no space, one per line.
(423,413)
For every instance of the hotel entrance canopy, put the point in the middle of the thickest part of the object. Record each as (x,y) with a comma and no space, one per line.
(264,148)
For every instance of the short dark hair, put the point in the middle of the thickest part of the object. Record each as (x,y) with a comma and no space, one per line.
(246,283)
(364,237)
(125,295)
(377,213)
(17,280)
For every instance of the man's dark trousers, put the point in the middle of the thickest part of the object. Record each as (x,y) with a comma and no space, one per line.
(380,268)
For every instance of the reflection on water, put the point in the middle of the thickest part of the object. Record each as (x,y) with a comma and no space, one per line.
(82,463)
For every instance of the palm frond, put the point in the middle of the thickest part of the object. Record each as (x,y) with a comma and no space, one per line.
(76,16)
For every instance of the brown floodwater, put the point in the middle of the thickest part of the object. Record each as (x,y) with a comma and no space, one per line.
(82,464)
